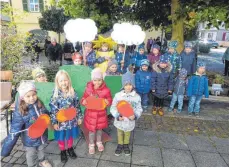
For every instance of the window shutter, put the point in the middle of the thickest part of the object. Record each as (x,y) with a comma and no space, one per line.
(25,5)
(41,5)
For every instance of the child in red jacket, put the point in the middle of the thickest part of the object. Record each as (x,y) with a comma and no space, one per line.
(95,120)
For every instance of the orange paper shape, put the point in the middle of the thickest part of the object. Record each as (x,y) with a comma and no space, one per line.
(125,109)
(95,103)
(66,114)
(38,128)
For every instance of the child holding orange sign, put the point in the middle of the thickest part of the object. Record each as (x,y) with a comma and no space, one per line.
(65,114)
(30,121)
(96,98)
(126,108)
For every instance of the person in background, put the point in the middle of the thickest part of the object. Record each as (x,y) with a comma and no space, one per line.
(47,42)
(54,51)
(225,59)
(138,57)
(77,58)
(68,51)
(122,63)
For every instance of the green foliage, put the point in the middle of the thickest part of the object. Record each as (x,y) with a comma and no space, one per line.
(218,79)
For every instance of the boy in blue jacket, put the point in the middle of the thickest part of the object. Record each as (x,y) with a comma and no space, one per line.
(143,82)
(197,87)
(122,63)
(140,55)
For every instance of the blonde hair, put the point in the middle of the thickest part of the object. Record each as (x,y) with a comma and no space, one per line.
(70,92)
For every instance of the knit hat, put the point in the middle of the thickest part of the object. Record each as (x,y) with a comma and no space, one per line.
(145,62)
(187,44)
(87,43)
(155,46)
(36,72)
(112,62)
(141,47)
(128,78)
(183,73)
(25,87)
(201,64)
(96,74)
(164,59)
(77,55)
(172,44)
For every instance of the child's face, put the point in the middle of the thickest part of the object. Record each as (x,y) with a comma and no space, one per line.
(63,82)
(188,50)
(155,51)
(201,70)
(128,88)
(77,62)
(41,78)
(171,50)
(88,48)
(141,51)
(163,65)
(121,49)
(113,68)
(144,67)
(104,48)
(30,97)
(97,83)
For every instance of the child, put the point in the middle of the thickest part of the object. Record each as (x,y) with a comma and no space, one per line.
(126,125)
(65,97)
(173,57)
(39,75)
(188,59)
(162,83)
(143,83)
(89,56)
(30,108)
(122,64)
(197,87)
(140,55)
(155,54)
(112,68)
(77,58)
(104,55)
(179,91)
(96,120)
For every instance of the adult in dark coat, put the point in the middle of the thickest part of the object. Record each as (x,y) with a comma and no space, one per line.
(47,42)
(54,51)
(68,50)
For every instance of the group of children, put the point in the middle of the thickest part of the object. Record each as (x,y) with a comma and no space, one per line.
(155,73)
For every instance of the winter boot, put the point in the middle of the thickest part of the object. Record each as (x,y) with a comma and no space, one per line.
(126,149)
(63,156)
(161,111)
(118,150)
(154,110)
(71,153)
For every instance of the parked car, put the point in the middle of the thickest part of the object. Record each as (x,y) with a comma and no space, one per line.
(212,43)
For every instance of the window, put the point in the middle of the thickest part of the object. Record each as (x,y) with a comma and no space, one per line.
(34,6)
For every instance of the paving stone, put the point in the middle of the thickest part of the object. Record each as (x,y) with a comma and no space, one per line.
(146,155)
(134,165)
(21,160)
(206,159)
(148,138)
(8,165)
(226,158)
(55,160)
(13,160)
(18,154)
(82,162)
(200,143)
(52,148)
(177,158)
(222,144)
(17,165)
(6,159)
(2,165)
(103,163)
(82,150)
(109,154)
(173,141)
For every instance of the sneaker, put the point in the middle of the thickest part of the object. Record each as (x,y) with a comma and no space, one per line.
(45,163)
(197,115)
(179,111)
(71,153)
(118,150)
(161,111)
(154,110)
(100,146)
(126,149)
(190,114)
(170,109)
(91,149)
(63,156)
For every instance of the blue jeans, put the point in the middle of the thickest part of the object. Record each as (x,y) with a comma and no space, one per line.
(180,99)
(144,99)
(194,104)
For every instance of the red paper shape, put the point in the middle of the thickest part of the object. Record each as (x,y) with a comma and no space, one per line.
(125,108)
(66,114)
(94,103)
(38,128)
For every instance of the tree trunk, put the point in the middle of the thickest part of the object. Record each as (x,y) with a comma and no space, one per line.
(177,26)
(59,37)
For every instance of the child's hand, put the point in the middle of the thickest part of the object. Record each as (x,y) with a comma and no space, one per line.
(106,101)
(79,122)
(132,117)
(153,91)
(84,102)
(56,127)
(120,118)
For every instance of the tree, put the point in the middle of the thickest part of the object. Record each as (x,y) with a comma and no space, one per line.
(53,20)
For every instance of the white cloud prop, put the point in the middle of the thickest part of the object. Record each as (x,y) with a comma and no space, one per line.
(80,30)
(128,34)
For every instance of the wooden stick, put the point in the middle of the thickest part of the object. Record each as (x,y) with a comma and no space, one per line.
(84,56)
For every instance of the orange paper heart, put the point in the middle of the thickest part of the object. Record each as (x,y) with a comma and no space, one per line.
(66,114)
(125,109)
(95,103)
